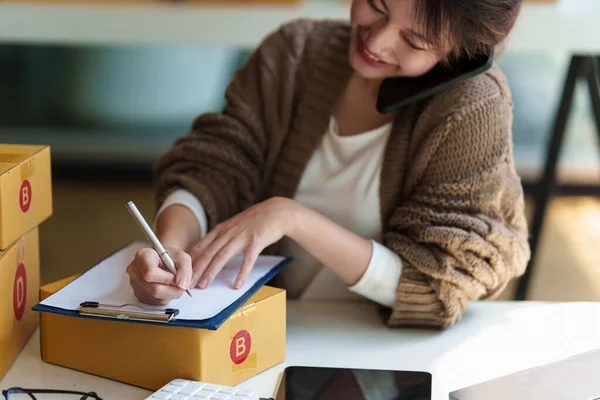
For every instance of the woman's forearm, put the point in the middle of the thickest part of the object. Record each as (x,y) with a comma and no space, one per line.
(343,251)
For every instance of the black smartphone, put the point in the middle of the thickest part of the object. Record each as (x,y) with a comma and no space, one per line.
(324,383)
(398,92)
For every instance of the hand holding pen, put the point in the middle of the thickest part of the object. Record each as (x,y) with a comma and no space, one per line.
(156,244)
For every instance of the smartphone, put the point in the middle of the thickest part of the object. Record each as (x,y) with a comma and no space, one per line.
(398,92)
(325,383)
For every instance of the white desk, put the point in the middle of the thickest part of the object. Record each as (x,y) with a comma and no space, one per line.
(569,25)
(494,339)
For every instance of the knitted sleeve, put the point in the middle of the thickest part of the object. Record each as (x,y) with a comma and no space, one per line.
(462,233)
(224,156)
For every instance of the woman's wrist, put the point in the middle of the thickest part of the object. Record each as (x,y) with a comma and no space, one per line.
(177,227)
(296,212)
(344,252)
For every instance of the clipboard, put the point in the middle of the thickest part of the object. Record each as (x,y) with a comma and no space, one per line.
(96,308)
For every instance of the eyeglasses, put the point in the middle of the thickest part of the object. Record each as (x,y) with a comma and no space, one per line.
(17,393)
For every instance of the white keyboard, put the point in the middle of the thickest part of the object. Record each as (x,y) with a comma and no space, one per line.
(183,389)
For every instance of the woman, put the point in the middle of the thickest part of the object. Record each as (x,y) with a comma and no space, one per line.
(419,210)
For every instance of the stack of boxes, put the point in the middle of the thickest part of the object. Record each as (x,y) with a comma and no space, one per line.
(25,202)
(250,341)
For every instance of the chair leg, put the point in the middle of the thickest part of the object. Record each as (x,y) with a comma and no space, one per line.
(546,185)
(594,87)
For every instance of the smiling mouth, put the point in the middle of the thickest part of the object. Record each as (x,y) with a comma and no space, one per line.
(372,56)
(369,57)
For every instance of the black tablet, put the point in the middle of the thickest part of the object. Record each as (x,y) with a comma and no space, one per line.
(319,383)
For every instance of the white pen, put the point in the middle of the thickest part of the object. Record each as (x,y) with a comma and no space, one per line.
(164,255)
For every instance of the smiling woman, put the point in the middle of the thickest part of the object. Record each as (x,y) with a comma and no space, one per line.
(419,210)
(386,41)
(408,37)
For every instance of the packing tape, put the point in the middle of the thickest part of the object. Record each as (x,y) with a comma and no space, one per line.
(27,169)
(27,164)
(241,330)
(244,319)
(251,363)
(20,250)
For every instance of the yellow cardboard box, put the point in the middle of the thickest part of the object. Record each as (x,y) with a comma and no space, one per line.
(250,341)
(19,292)
(25,190)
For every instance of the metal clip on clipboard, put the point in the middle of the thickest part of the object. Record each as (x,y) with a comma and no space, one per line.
(95,309)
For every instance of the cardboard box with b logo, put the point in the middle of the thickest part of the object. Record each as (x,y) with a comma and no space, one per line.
(25,190)
(25,202)
(19,292)
(250,341)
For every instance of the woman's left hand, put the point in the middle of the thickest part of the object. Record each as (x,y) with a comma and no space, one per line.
(248,233)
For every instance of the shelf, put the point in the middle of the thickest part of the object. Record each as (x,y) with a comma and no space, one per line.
(110,147)
(155,24)
(121,149)
(569,25)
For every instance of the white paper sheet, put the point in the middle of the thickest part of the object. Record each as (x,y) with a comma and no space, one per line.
(108,283)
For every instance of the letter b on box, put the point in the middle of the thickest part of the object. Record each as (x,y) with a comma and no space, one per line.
(240,347)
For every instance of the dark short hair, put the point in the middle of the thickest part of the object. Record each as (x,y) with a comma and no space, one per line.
(472,26)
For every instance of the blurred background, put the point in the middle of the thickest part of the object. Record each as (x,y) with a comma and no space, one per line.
(110,109)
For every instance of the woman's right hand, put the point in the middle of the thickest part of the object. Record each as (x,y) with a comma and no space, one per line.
(152,283)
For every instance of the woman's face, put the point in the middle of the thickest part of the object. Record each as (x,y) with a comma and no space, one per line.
(385,41)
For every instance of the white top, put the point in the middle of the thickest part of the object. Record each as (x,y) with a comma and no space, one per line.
(340,181)
(493,339)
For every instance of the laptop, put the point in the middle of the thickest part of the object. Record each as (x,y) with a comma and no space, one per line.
(575,378)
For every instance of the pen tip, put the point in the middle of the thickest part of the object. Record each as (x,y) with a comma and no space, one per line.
(129,203)
(189,294)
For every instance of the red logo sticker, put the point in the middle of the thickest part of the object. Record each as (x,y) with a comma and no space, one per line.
(25,196)
(240,347)
(20,292)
